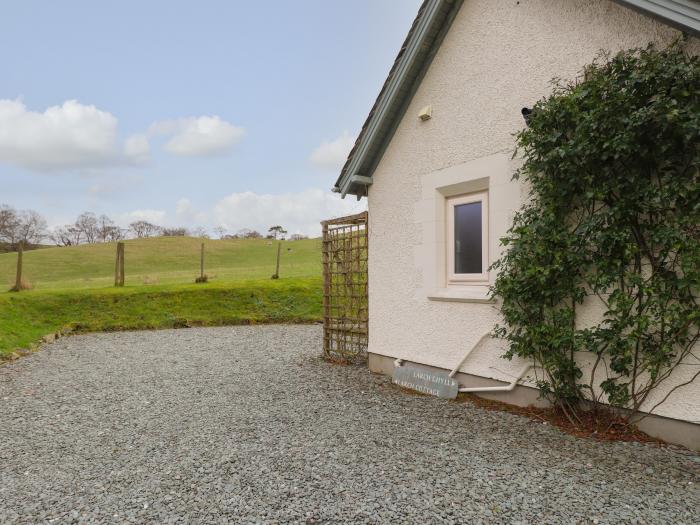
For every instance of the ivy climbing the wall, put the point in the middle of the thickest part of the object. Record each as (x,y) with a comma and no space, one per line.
(612,230)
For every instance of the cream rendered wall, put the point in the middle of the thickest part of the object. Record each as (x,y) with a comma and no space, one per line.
(498,56)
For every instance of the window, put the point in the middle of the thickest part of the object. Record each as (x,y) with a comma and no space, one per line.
(467,238)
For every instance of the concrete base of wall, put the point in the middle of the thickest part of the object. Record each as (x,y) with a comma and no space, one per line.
(668,429)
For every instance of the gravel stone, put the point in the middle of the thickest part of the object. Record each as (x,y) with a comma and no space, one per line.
(249,425)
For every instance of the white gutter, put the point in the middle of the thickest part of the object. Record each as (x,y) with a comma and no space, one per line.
(682,14)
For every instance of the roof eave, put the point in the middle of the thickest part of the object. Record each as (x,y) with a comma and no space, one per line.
(416,54)
(398,89)
(681,14)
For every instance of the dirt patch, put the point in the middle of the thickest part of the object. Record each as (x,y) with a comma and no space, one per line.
(603,425)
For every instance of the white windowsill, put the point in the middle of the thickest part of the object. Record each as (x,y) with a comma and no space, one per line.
(462,294)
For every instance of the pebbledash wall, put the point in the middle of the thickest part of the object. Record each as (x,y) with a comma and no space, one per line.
(497,57)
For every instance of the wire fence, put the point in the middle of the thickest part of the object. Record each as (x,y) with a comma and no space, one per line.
(157,261)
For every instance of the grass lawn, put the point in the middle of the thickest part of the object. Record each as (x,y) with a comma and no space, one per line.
(72,287)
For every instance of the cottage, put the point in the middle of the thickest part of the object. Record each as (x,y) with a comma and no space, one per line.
(434,159)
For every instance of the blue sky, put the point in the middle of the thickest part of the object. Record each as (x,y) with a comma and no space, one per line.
(189,113)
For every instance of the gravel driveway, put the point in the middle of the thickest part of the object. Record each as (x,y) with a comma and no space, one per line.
(248,425)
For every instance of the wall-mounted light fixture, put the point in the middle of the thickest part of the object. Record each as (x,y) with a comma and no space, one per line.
(526,113)
(426,113)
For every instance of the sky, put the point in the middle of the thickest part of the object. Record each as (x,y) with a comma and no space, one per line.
(210,113)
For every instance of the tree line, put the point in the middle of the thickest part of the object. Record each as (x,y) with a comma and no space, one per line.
(31,229)
(25,226)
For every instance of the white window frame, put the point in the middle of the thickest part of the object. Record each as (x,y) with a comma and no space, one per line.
(467,278)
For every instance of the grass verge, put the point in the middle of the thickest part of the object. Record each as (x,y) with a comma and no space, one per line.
(25,318)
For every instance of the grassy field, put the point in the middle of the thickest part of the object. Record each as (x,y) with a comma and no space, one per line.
(72,288)
(162,260)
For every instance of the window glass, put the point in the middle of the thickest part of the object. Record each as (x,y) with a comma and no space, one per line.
(467,239)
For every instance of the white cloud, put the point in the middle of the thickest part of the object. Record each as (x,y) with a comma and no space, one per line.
(137,147)
(188,215)
(332,155)
(198,136)
(153,216)
(70,136)
(184,207)
(107,187)
(299,212)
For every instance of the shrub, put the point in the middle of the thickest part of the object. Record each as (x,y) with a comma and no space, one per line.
(612,163)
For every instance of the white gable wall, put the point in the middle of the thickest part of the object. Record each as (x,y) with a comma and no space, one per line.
(498,57)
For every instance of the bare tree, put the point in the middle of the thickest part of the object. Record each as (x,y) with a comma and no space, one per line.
(68,235)
(142,229)
(298,237)
(116,234)
(200,232)
(21,226)
(220,232)
(174,232)
(277,232)
(246,233)
(31,228)
(62,236)
(88,226)
(107,230)
(9,223)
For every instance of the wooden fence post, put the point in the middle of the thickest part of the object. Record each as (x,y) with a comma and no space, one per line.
(119,266)
(201,263)
(276,275)
(202,276)
(116,267)
(326,261)
(18,277)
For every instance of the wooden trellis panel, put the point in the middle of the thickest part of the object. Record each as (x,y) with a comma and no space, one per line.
(345,312)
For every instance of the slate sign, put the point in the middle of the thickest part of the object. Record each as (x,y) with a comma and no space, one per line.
(438,384)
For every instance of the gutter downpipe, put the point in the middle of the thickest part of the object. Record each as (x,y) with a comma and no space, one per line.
(456,369)
(505,388)
(399,362)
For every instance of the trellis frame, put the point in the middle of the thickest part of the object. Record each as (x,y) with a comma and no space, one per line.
(345,310)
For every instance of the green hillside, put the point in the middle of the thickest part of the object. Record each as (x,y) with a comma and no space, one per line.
(162,260)
(72,288)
